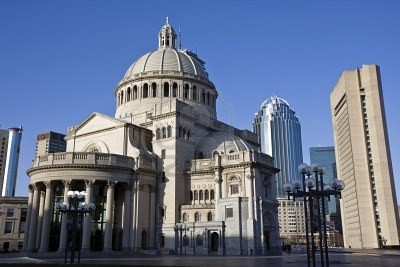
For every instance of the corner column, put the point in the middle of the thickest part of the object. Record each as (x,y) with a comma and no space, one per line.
(127,217)
(28,218)
(64,220)
(44,242)
(88,218)
(109,217)
(34,219)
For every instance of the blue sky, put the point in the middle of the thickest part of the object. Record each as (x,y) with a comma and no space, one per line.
(61,60)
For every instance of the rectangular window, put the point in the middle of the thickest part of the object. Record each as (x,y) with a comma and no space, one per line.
(20,245)
(234,189)
(229,212)
(163,153)
(10,212)
(22,225)
(8,227)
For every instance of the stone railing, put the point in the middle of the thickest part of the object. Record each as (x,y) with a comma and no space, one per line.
(232,159)
(198,206)
(83,158)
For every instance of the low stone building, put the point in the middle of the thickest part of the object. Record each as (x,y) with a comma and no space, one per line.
(13,212)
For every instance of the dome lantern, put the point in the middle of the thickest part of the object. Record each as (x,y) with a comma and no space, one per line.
(166,36)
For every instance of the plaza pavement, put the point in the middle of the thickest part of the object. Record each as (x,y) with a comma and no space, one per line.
(338,257)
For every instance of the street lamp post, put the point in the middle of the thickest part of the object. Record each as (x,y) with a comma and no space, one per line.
(310,189)
(74,208)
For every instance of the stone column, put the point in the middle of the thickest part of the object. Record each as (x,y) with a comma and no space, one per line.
(133,225)
(249,193)
(250,220)
(34,219)
(109,217)
(63,234)
(152,207)
(127,217)
(44,242)
(86,234)
(28,218)
(40,218)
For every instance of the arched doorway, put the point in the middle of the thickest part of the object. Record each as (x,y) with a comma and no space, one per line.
(214,242)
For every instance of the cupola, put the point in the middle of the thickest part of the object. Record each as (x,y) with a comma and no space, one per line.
(166,36)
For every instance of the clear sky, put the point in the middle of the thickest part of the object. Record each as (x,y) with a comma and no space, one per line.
(61,60)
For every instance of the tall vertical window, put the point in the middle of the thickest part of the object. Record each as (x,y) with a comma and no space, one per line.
(166,89)
(8,227)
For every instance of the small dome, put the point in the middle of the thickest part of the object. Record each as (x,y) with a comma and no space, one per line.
(274,100)
(223,143)
(168,59)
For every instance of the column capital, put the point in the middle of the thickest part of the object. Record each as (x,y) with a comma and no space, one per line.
(250,176)
(66,182)
(89,183)
(30,188)
(111,184)
(48,184)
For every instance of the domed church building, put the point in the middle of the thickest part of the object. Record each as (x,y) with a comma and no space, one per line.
(164,174)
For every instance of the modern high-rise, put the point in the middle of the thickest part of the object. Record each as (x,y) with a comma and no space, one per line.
(50,142)
(326,157)
(9,156)
(279,134)
(369,209)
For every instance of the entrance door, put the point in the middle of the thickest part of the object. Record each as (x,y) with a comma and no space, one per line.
(214,242)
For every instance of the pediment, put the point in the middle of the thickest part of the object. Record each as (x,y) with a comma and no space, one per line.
(95,123)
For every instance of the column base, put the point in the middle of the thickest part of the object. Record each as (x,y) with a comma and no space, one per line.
(126,249)
(108,250)
(61,251)
(85,250)
(42,250)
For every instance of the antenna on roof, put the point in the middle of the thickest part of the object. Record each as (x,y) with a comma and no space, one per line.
(195,49)
(180,38)
(167,20)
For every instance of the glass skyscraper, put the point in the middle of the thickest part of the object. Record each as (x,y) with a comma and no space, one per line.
(9,176)
(279,133)
(326,157)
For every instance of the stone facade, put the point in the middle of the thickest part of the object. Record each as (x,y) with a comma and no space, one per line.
(166,176)
(13,212)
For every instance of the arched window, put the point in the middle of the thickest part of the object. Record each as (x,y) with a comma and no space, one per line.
(212,197)
(145,90)
(122,97)
(186,92)
(208,98)
(194,93)
(164,132)
(185,240)
(206,195)
(166,89)
(196,195)
(199,240)
(191,196)
(188,135)
(180,131)
(169,131)
(185,217)
(203,96)
(154,89)
(197,217)
(210,216)
(134,92)
(128,95)
(184,133)
(157,134)
(174,90)
(200,195)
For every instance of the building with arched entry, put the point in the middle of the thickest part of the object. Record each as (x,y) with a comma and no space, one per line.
(164,173)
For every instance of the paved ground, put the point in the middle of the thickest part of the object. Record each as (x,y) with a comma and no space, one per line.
(338,257)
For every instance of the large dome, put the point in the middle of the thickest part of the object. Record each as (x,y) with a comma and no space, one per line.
(167,59)
(223,143)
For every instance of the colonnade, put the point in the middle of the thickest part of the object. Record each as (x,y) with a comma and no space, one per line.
(40,209)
